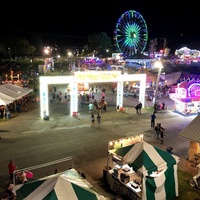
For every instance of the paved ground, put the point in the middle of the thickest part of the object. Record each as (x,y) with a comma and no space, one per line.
(31,141)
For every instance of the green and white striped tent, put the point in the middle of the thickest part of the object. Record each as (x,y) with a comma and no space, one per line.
(147,160)
(69,185)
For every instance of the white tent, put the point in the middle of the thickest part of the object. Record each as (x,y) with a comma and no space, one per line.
(5,99)
(9,93)
(148,161)
(14,91)
(69,185)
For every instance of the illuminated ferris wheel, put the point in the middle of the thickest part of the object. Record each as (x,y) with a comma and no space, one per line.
(131,33)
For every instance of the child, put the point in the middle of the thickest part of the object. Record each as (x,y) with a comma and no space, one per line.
(92,120)
(99,120)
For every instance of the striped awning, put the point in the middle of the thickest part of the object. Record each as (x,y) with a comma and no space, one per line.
(149,160)
(67,185)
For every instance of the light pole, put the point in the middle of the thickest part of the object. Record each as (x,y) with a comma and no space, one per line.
(157,64)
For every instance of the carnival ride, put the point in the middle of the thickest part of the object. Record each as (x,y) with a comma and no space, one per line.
(131,33)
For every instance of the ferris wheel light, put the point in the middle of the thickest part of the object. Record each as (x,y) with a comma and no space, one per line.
(131,33)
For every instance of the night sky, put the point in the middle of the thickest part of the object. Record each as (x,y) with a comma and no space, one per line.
(72,21)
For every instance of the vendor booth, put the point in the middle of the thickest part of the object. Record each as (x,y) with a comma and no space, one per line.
(187,98)
(143,172)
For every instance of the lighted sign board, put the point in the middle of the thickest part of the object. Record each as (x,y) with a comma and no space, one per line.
(97,76)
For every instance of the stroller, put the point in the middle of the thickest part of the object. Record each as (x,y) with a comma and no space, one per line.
(195,181)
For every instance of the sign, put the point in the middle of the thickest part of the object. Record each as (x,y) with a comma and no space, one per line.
(100,76)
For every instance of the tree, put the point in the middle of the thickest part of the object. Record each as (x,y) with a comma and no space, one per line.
(100,44)
(37,43)
(32,50)
(92,43)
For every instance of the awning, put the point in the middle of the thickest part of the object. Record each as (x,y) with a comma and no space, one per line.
(13,91)
(145,158)
(5,99)
(157,167)
(191,131)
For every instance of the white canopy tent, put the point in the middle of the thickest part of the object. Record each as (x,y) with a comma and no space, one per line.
(10,92)
(66,185)
(14,91)
(5,99)
(157,168)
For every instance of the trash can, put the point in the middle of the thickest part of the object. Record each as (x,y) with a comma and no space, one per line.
(8,114)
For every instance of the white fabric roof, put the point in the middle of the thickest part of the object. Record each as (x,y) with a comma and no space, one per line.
(191,131)
(66,185)
(12,92)
(5,99)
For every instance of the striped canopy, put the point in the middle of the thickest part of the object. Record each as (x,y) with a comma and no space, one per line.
(69,185)
(146,159)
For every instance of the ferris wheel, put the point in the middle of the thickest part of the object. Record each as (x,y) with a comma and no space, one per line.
(131,33)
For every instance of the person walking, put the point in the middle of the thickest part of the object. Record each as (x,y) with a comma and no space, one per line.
(163,106)
(139,108)
(11,168)
(104,105)
(162,134)
(91,107)
(153,119)
(92,120)
(157,130)
(99,120)
(99,107)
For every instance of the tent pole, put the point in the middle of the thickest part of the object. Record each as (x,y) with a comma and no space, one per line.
(4,112)
(15,106)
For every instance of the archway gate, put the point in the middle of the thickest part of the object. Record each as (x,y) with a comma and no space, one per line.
(88,77)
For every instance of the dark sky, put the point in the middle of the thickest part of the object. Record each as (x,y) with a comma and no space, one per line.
(72,21)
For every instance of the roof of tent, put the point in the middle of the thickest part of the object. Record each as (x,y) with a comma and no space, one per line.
(191,131)
(146,158)
(5,99)
(67,185)
(14,91)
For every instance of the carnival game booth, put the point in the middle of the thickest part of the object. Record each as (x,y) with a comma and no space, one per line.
(143,172)
(186,98)
(68,185)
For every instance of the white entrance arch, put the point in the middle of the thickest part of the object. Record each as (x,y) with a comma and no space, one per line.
(89,77)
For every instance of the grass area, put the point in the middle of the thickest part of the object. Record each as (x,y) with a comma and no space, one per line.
(186,192)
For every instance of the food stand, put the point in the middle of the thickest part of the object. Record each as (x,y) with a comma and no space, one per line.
(186,98)
(142,172)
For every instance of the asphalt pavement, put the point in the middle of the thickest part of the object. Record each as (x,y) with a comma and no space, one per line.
(30,140)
